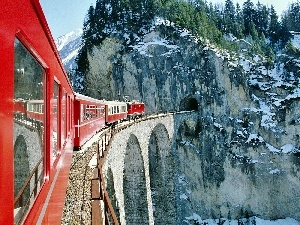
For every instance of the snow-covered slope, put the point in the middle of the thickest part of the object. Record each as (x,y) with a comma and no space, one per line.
(296,39)
(68,46)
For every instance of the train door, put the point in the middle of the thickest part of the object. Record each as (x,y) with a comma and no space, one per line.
(29,145)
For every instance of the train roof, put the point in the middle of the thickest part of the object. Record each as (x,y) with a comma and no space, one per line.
(114,103)
(36,101)
(87,98)
(135,102)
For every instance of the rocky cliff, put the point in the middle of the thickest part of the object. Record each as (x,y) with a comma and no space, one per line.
(240,156)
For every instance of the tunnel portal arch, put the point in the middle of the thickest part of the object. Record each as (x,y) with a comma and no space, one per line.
(189,103)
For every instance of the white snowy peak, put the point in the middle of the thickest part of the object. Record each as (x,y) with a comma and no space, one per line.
(62,41)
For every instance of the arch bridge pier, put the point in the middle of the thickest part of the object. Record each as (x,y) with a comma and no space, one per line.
(138,169)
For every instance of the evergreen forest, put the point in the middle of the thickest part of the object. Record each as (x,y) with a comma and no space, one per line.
(259,24)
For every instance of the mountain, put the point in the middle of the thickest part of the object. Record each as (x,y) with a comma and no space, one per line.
(239,155)
(68,46)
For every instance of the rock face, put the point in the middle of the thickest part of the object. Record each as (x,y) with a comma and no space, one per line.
(240,156)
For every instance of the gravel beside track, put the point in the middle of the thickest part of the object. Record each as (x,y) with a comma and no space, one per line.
(77,208)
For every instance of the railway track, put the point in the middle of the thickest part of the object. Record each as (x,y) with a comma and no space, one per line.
(87,201)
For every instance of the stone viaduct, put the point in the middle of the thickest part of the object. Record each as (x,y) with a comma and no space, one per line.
(140,170)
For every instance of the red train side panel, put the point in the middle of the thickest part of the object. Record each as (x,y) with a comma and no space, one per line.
(89,116)
(135,109)
(29,159)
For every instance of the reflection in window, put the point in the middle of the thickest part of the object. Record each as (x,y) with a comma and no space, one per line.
(55,113)
(28,129)
(63,116)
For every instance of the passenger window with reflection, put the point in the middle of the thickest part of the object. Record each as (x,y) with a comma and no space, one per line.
(55,120)
(28,129)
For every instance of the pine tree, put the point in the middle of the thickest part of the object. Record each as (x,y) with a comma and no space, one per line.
(86,46)
(285,35)
(229,17)
(101,18)
(261,18)
(274,27)
(239,24)
(89,28)
(229,10)
(115,17)
(248,13)
(291,17)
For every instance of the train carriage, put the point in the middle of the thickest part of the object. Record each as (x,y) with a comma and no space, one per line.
(135,109)
(115,111)
(35,109)
(89,116)
(34,159)
(20,106)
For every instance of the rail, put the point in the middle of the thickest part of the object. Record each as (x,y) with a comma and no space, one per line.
(28,122)
(102,209)
(19,201)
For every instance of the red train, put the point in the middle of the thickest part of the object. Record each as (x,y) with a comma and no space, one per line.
(135,109)
(42,119)
(89,117)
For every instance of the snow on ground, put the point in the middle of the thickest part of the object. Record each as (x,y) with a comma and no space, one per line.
(94,162)
(196,219)
(296,39)
(142,47)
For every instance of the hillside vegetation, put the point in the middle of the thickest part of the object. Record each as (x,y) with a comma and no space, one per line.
(236,69)
(130,20)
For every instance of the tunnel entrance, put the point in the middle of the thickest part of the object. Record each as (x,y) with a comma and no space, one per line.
(189,104)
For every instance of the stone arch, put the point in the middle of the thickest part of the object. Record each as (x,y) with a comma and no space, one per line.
(134,184)
(189,103)
(161,176)
(21,167)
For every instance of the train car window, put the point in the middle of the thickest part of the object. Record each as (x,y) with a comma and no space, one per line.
(28,138)
(100,111)
(69,113)
(63,116)
(66,115)
(55,120)
(82,113)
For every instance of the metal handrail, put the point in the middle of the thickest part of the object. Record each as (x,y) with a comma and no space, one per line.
(21,192)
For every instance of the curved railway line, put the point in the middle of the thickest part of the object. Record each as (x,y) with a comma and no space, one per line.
(87,201)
